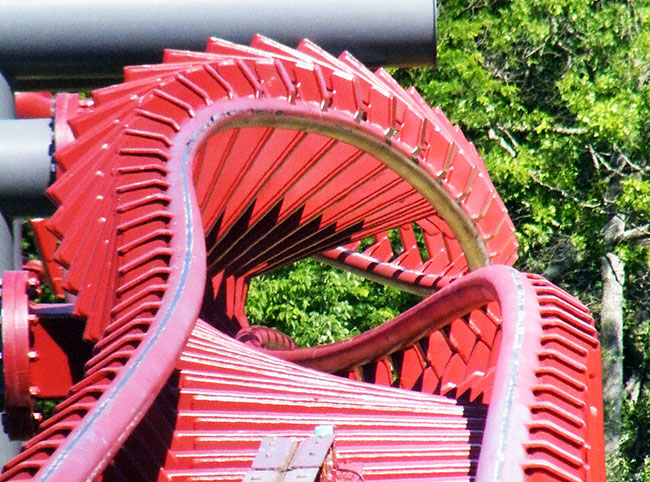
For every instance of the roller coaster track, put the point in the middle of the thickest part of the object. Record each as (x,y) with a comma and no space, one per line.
(195,175)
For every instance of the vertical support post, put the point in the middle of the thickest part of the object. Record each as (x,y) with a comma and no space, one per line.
(6,243)
(17,232)
(7,111)
(8,448)
(26,166)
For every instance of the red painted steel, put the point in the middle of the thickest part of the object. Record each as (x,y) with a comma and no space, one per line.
(546,376)
(57,353)
(43,352)
(19,405)
(34,105)
(229,397)
(178,186)
(46,243)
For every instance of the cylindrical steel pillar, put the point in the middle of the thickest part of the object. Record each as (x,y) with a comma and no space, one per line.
(26,166)
(8,448)
(7,111)
(6,245)
(81,41)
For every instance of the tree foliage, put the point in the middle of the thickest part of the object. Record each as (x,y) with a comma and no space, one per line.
(317,304)
(546,90)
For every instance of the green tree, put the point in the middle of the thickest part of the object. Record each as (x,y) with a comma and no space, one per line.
(317,304)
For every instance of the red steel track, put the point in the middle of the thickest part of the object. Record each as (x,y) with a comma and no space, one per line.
(197,174)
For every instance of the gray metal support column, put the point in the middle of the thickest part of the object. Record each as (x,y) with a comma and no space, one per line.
(25,173)
(84,41)
(7,111)
(26,167)
(6,246)
(8,448)
(17,233)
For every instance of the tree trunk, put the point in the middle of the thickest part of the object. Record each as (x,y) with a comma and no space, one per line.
(611,338)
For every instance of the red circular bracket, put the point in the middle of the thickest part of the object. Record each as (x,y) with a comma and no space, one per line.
(18,420)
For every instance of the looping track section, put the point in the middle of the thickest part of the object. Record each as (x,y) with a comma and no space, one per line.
(195,175)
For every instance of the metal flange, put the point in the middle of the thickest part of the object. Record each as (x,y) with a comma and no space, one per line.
(18,420)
